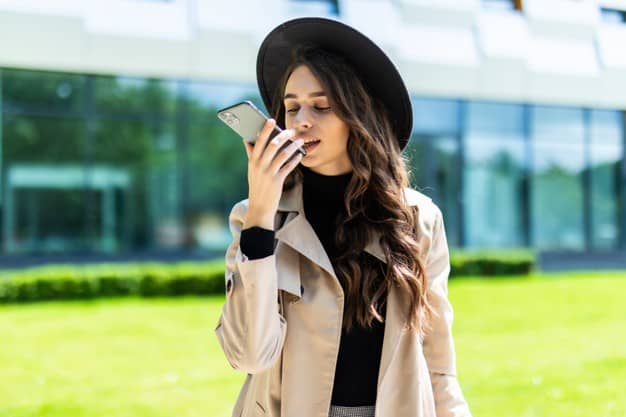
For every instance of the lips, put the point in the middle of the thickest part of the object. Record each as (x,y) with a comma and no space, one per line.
(310,144)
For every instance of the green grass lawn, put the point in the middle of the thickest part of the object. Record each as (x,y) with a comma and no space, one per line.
(525,347)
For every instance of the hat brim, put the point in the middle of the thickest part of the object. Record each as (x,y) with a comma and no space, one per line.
(373,66)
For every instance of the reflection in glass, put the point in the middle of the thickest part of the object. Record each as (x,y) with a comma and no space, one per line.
(147,204)
(433,154)
(558,164)
(606,153)
(435,116)
(44,206)
(125,164)
(494,175)
(433,161)
(124,95)
(40,91)
(206,97)
(217,160)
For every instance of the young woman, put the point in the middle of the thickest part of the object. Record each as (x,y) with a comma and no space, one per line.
(337,274)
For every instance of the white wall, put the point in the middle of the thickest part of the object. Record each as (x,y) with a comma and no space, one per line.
(556,52)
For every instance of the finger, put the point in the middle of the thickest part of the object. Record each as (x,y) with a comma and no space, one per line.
(262,137)
(248,147)
(274,145)
(289,166)
(284,155)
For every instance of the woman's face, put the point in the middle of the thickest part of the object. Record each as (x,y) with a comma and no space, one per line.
(309,113)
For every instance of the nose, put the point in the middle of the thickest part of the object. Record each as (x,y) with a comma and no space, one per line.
(302,121)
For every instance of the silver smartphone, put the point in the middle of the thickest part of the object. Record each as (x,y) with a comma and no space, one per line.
(248,121)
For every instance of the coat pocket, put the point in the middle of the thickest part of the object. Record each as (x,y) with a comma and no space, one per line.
(259,410)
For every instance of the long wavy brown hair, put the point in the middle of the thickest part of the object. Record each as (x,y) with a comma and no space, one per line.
(374,199)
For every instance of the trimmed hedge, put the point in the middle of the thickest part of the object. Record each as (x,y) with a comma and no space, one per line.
(82,282)
(492,263)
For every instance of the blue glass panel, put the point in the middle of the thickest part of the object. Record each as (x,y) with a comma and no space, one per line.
(558,164)
(606,150)
(494,174)
(435,116)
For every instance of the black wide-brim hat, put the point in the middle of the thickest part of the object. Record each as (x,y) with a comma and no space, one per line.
(379,74)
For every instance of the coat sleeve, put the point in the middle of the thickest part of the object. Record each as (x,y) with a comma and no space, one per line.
(250,329)
(438,342)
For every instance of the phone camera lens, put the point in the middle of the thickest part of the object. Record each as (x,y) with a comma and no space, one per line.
(229,118)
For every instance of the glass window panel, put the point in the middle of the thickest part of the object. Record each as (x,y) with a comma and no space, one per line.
(168,226)
(218,162)
(138,203)
(556,192)
(37,226)
(558,124)
(494,175)
(606,127)
(606,153)
(435,116)
(119,216)
(433,162)
(24,90)
(495,116)
(44,206)
(206,98)
(123,95)
(42,139)
(494,190)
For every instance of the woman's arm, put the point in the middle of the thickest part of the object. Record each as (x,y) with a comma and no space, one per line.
(438,341)
(250,330)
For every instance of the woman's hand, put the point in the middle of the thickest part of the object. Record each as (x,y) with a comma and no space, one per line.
(267,170)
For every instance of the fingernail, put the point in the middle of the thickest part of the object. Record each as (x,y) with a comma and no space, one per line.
(300,141)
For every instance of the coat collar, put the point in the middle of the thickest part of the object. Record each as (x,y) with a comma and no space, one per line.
(299,234)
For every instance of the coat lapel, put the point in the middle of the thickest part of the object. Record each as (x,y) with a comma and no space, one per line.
(395,325)
(298,233)
(395,316)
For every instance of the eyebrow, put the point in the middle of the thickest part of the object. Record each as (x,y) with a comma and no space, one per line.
(315,94)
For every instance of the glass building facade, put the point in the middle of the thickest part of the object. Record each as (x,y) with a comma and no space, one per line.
(113,165)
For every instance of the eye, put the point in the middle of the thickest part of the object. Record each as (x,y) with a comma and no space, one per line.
(317,108)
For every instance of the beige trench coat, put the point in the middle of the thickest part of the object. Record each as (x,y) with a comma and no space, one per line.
(281,324)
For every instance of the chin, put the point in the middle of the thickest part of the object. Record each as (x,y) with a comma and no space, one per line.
(307,163)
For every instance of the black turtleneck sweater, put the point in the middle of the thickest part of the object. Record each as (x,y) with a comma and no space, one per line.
(358,362)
